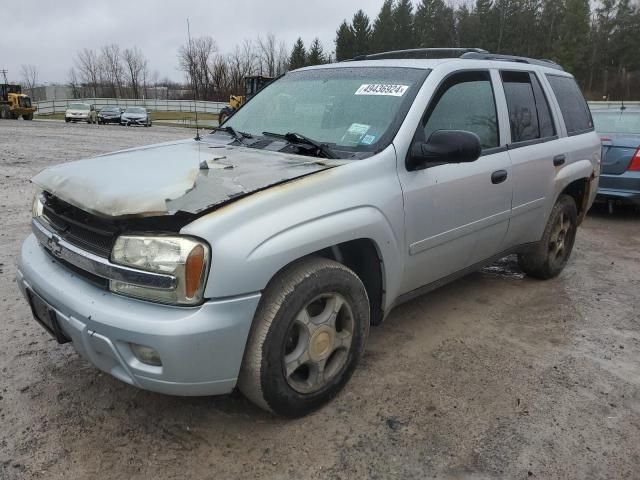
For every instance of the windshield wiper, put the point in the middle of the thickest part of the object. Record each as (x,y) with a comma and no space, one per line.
(298,139)
(239,136)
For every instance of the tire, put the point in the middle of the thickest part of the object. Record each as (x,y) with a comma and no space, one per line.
(28,116)
(66,119)
(549,257)
(285,335)
(5,113)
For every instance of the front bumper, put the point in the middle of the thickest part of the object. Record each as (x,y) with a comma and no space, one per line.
(133,121)
(625,187)
(201,348)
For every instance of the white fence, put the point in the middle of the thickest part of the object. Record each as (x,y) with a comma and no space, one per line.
(611,105)
(59,106)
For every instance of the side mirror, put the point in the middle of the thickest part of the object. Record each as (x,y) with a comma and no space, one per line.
(444,146)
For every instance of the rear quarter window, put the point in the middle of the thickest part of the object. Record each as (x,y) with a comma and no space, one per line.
(573,106)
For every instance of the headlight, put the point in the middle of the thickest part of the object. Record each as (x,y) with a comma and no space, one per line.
(185,258)
(36,206)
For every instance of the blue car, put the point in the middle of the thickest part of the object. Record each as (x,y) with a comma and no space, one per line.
(619,131)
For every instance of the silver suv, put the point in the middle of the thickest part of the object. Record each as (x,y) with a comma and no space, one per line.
(260,254)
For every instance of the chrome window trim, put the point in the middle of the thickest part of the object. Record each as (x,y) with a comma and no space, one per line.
(95,264)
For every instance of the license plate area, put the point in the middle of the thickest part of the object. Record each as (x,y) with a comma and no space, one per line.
(46,316)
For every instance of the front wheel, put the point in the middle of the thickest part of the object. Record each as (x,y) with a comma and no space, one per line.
(551,254)
(308,335)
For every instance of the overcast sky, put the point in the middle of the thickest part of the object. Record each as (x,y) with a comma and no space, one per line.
(48,34)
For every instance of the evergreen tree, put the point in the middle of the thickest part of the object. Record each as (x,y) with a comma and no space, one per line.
(382,34)
(361,29)
(344,42)
(434,24)
(316,54)
(402,15)
(298,58)
(570,47)
(467,29)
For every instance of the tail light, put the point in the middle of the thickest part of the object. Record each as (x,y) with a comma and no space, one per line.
(634,166)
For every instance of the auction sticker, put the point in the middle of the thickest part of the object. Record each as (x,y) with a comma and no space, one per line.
(382,89)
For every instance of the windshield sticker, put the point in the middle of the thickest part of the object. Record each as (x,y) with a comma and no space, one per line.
(382,89)
(354,133)
(358,129)
(368,139)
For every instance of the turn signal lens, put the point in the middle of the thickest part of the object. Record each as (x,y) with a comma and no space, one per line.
(194,271)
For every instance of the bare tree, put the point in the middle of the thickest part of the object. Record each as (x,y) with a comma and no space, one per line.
(267,55)
(135,67)
(29,77)
(74,84)
(87,64)
(114,72)
(194,58)
(241,64)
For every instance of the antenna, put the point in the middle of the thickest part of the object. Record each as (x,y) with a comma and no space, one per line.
(193,80)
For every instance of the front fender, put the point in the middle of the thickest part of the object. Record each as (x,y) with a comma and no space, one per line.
(268,257)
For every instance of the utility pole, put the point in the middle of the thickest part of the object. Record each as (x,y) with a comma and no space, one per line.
(4,73)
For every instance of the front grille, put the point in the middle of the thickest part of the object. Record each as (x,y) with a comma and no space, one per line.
(80,228)
(94,279)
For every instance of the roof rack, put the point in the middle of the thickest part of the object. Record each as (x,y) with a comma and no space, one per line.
(510,58)
(467,53)
(421,53)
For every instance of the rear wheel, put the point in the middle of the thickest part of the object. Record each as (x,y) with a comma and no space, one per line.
(550,256)
(5,113)
(28,116)
(308,336)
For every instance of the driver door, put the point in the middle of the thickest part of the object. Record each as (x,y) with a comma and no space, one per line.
(457,215)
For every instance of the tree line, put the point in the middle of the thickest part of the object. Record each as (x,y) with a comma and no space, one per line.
(598,42)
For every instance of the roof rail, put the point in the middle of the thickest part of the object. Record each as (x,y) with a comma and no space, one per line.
(468,53)
(510,58)
(418,53)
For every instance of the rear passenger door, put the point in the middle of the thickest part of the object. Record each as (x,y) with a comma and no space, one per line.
(533,151)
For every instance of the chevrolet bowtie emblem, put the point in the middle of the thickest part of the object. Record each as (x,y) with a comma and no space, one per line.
(54,245)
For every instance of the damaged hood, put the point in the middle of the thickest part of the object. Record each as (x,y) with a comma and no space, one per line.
(163,179)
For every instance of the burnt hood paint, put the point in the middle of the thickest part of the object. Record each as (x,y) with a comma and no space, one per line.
(186,176)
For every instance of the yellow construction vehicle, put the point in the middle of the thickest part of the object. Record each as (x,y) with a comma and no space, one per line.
(252,85)
(14,103)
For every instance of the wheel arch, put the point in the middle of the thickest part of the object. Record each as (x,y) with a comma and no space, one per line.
(363,256)
(576,180)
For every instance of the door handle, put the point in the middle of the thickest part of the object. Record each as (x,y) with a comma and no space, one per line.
(559,160)
(499,176)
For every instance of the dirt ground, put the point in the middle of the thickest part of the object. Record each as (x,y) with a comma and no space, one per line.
(494,376)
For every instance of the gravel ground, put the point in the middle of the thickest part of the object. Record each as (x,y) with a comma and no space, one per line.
(493,376)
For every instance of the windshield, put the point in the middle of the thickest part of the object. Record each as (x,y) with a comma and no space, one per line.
(135,110)
(110,109)
(354,109)
(79,106)
(617,122)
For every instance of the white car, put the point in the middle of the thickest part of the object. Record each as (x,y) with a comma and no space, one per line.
(80,112)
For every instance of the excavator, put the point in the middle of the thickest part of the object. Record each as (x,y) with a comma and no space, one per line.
(252,85)
(14,103)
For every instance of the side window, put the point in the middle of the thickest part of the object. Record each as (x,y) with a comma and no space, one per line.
(521,103)
(465,102)
(573,106)
(545,120)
